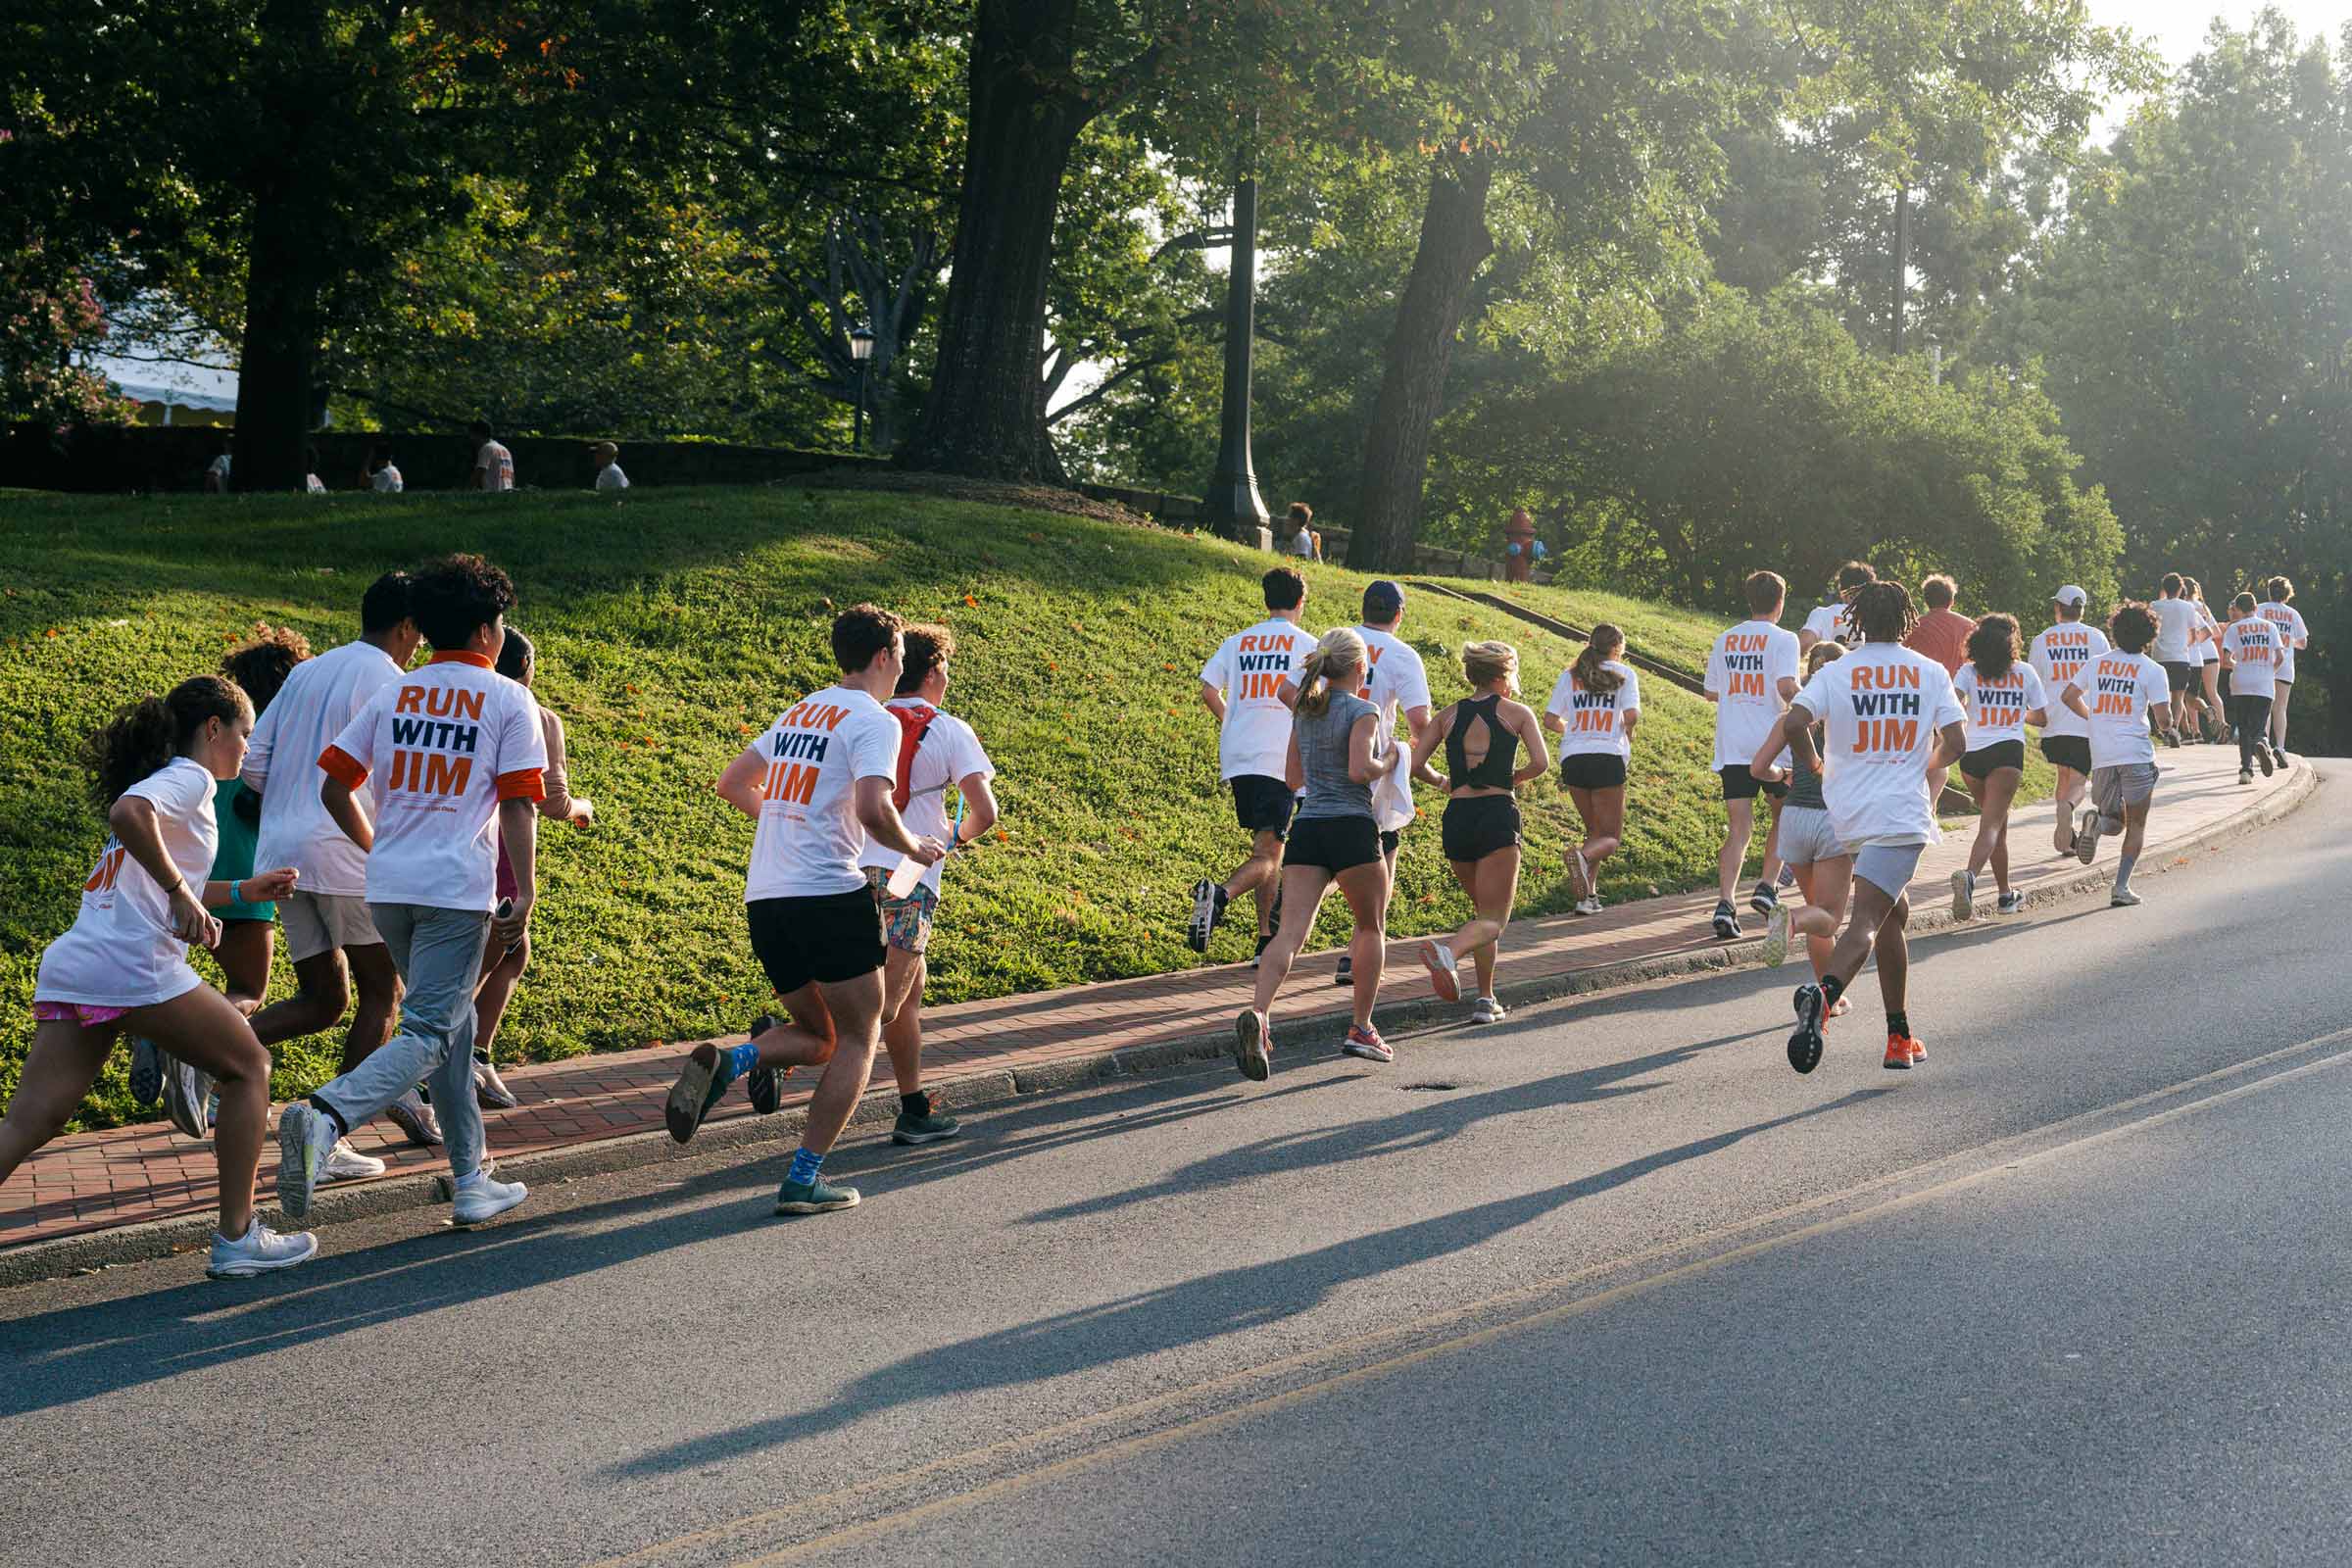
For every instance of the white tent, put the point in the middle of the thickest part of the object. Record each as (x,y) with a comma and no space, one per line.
(169,383)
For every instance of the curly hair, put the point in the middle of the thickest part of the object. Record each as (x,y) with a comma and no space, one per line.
(1881,611)
(1992,647)
(2131,627)
(260,666)
(928,647)
(862,631)
(147,734)
(453,598)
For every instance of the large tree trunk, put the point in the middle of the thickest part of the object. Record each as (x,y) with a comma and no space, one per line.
(986,413)
(274,373)
(1454,243)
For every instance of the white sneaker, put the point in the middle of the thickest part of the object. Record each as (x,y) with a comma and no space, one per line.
(1580,877)
(2122,899)
(259,1251)
(1443,976)
(480,1199)
(345,1164)
(1486,1010)
(1776,936)
(1590,905)
(1964,894)
(305,1139)
(2086,835)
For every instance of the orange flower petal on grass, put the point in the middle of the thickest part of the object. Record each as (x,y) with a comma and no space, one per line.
(969,600)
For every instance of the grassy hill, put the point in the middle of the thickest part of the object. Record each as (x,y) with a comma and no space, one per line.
(673,626)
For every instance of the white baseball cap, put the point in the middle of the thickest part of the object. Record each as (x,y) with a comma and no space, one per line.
(2069,596)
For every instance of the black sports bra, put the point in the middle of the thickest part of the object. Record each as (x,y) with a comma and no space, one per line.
(1502,747)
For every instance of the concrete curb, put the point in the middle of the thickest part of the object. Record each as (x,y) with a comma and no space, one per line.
(34,1261)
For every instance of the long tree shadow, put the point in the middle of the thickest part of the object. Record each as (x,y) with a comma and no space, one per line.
(1177,1316)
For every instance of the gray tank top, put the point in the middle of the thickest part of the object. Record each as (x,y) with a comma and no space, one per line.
(1323,758)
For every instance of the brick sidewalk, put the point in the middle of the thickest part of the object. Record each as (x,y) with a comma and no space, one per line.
(99,1181)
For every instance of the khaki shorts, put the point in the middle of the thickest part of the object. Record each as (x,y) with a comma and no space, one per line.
(317,922)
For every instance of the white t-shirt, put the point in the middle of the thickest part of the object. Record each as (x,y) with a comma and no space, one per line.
(2207,652)
(2176,623)
(497,465)
(1249,667)
(1596,720)
(1744,671)
(1303,545)
(1881,708)
(2058,655)
(219,465)
(320,699)
(1397,682)
(387,480)
(120,952)
(1996,709)
(2120,689)
(609,477)
(2257,648)
(1828,621)
(2290,619)
(443,747)
(808,839)
(949,753)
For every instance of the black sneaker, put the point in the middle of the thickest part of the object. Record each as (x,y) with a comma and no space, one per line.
(1263,943)
(1727,921)
(1764,898)
(1804,1045)
(1346,974)
(912,1129)
(764,1084)
(2268,760)
(1209,907)
(146,1071)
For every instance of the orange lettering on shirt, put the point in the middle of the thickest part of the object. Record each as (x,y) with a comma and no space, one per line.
(2113,703)
(790,782)
(469,705)
(1885,734)
(1749,684)
(110,866)
(411,699)
(429,773)
(1263,683)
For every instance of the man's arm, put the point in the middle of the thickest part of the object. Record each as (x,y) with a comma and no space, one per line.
(1212,697)
(882,822)
(979,807)
(739,785)
(518,837)
(2073,698)
(342,803)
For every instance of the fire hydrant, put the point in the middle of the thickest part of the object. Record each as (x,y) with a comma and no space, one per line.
(1518,547)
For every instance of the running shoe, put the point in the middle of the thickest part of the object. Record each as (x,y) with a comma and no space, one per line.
(1727,922)
(2245,775)
(2122,899)
(2086,835)
(1580,877)
(1443,977)
(1917,1049)
(2012,902)
(1252,1045)
(701,1082)
(1209,907)
(2172,738)
(1486,1010)
(1899,1055)
(480,1199)
(1788,876)
(2269,759)
(1366,1045)
(910,1129)
(1346,977)
(1840,1007)
(1263,943)
(1592,906)
(259,1251)
(817,1197)
(490,1091)
(304,1138)
(1964,894)
(1776,936)
(345,1164)
(2279,756)
(146,1070)
(764,1084)
(1804,1045)
(416,1119)
(185,1094)
(1763,899)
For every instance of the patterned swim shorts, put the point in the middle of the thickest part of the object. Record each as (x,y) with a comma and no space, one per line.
(88,1014)
(906,921)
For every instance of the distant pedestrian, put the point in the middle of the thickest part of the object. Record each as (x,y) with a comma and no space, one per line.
(2114,696)
(1302,542)
(1752,674)
(2277,607)
(607,467)
(2255,649)
(2207,652)
(2177,631)
(2058,654)
(216,471)
(1242,684)
(1829,623)
(493,464)
(311,482)
(1943,631)
(382,474)
(2000,694)
(1594,709)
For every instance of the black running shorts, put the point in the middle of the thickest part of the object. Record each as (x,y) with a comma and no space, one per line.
(2179,674)
(1593,771)
(827,939)
(1262,805)
(1740,784)
(1986,760)
(2067,750)
(1475,827)
(1390,838)
(1335,843)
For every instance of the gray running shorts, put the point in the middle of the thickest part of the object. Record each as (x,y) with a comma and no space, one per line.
(1889,867)
(2114,788)
(1806,838)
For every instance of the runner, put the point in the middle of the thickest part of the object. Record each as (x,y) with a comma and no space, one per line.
(1890,721)
(1242,684)
(1752,674)
(937,752)
(1337,752)
(2254,647)
(1823,867)
(2058,655)
(818,784)
(330,937)
(493,464)
(2114,694)
(504,962)
(459,755)
(2177,633)
(1942,632)
(2278,609)
(1479,832)
(125,962)
(1595,707)
(1828,622)
(2000,694)
(1397,681)
(2212,726)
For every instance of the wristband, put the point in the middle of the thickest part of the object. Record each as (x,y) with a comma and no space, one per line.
(237,891)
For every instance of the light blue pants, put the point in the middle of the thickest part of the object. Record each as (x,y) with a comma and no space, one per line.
(439,955)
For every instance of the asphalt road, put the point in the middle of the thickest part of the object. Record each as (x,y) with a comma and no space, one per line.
(1605,1283)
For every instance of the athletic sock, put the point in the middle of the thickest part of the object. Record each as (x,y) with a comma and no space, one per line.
(2123,871)
(1831,988)
(805,1164)
(917,1105)
(1899,1023)
(342,1127)
(743,1057)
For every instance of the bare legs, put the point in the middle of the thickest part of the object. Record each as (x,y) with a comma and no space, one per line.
(1732,857)
(1992,794)
(504,972)
(2278,700)
(2071,788)
(1603,812)
(903,975)
(1258,874)
(1827,885)
(324,984)
(244,957)
(1493,884)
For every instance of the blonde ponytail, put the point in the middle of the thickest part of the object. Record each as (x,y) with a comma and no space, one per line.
(1340,653)
(1486,662)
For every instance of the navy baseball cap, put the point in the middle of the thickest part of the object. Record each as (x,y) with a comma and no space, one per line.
(1383,599)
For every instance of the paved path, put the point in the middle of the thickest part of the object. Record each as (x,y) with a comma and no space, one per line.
(1603,1284)
(135,1175)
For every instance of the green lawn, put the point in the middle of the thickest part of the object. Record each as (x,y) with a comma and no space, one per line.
(673,626)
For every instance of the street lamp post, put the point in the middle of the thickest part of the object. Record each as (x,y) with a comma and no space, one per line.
(1233,506)
(861,351)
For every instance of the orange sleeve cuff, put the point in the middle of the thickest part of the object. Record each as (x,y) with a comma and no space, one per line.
(343,768)
(524,785)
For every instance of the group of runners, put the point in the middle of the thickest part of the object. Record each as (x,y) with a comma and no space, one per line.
(387,816)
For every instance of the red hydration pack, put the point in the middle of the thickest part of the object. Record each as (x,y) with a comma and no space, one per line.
(913,724)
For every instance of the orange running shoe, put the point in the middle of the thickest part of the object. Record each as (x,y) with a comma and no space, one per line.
(1919,1052)
(1898,1053)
